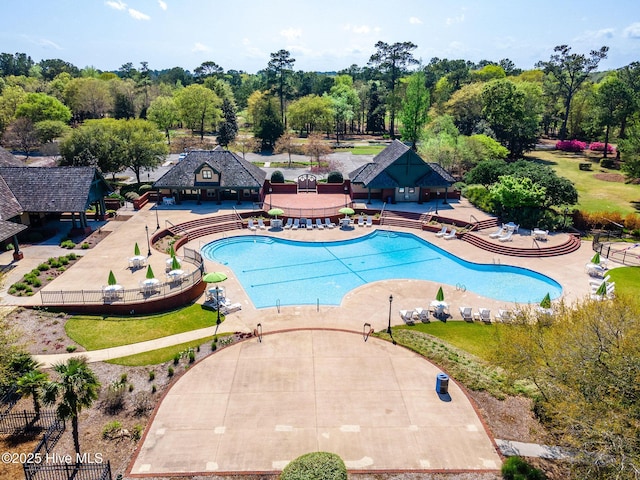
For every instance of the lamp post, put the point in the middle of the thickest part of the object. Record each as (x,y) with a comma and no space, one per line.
(146,227)
(218,305)
(157,205)
(270,196)
(389,327)
(437,199)
(346,191)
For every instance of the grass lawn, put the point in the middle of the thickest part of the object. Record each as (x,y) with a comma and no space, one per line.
(363,149)
(161,355)
(93,332)
(594,195)
(627,281)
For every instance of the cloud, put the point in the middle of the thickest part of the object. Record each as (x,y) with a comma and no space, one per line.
(163,5)
(44,42)
(200,47)
(138,15)
(453,20)
(291,34)
(415,21)
(597,34)
(360,29)
(118,4)
(632,31)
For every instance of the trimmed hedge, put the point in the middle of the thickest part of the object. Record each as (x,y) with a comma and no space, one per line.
(277,177)
(315,466)
(335,177)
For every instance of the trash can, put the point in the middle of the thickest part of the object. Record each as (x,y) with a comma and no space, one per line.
(442,384)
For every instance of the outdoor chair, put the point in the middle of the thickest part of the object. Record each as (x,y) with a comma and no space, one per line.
(309,224)
(369,221)
(451,235)
(504,316)
(250,225)
(422,314)
(498,233)
(361,221)
(289,223)
(261,224)
(296,224)
(484,314)
(319,224)
(442,232)
(407,316)
(466,313)
(507,237)
(328,223)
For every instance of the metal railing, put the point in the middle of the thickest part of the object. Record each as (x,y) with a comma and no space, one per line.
(68,471)
(322,212)
(26,421)
(621,252)
(132,295)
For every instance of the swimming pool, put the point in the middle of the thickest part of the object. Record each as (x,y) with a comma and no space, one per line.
(286,272)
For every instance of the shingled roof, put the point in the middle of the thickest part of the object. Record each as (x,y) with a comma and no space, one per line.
(234,171)
(9,205)
(54,189)
(376,174)
(8,160)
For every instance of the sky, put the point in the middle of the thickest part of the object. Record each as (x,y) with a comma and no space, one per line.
(323,35)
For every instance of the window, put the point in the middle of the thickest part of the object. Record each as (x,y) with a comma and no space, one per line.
(207,174)
(412,190)
(401,190)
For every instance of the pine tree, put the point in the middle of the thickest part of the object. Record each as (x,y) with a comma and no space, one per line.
(228,129)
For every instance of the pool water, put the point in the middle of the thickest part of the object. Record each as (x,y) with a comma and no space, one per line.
(276,271)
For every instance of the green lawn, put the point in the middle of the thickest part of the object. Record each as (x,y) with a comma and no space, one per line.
(93,332)
(594,195)
(161,355)
(627,281)
(363,149)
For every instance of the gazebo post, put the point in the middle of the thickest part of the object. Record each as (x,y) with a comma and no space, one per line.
(17,254)
(446,191)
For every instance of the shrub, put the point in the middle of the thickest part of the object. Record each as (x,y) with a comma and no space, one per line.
(123,378)
(479,197)
(277,177)
(170,371)
(316,466)
(72,256)
(63,261)
(515,468)
(154,388)
(571,145)
(35,272)
(176,359)
(43,267)
(142,403)
(71,348)
(192,356)
(84,245)
(131,196)
(9,247)
(144,188)
(136,432)
(152,375)
(114,397)
(111,429)
(335,177)
(599,147)
(20,286)
(54,263)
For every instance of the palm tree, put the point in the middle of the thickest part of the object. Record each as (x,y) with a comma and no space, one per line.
(77,388)
(32,383)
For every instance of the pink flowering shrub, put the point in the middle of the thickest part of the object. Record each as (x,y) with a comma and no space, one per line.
(571,145)
(599,147)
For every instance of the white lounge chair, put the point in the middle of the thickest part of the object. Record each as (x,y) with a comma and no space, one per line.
(422,314)
(361,221)
(507,237)
(309,224)
(598,281)
(261,224)
(466,313)
(289,224)
(442,232)
(451,235)
(319,224)
(369,221)
(595,270)
(250,225)
(484,314)
(504,316)
(497,233)
(610,287)
(296,224)
(328,223)
(407,316)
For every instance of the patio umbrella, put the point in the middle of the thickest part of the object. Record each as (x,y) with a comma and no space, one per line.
(136,250)
(150,274)
(347,210)
(112,278)
(172,252)
(214,277)
(546,301)
(175,263)
(274,212)
(596,259)
(602,289)
(440,295)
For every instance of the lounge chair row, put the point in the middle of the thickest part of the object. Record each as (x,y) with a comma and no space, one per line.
(484,315)
(295,224)
(447,235)
(503,234)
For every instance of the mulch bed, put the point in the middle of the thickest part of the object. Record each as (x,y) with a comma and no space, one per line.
(610,177)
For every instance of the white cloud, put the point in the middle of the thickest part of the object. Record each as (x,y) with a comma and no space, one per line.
(415,21)
(596,34)
(291,34)
(360,29)
(632,31)
(49,43)
(163,5)
(458,19)
(118,4)
(138,15)
(200,47)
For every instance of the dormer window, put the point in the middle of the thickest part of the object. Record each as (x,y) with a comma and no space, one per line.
(207,174)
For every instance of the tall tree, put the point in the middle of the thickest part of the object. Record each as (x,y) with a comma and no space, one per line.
(40,106)
(228,128)
(414,114)
(278,68)
(76,388)
(630,75)
(142,145)
(164,112)
(199,108)
(392,62)
(375,110)
(570,70)
(316,148)
(286,144)
(21,135)
(268,125)
(208,69)
(32,384)
(614,100)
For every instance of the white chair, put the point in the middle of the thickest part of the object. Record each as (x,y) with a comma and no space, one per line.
(369,221)
(504,316)
(261,224)
(328,223)
(407,316)
(497,233)
(250,225)
(361,221)
(451,235)
(319,224)
(309,224)
(296,224)
(442,232)
(598,281)
(466,313)
(507,237)
(484,314)
(422,314)
(289,223)
(595,270)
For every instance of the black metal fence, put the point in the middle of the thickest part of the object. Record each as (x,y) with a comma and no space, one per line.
(14,423)
(68,471)
(129,296)
(8,400)
(625,253)
(49,440)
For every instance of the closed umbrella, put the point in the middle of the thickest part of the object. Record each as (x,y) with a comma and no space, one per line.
(136,250)
(596,259)
(172,252)
(150,274)
(602,289)
(440,295)
(175,263)
(112,278)
(546,301)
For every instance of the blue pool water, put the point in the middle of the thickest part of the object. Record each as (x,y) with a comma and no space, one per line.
(276,271)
